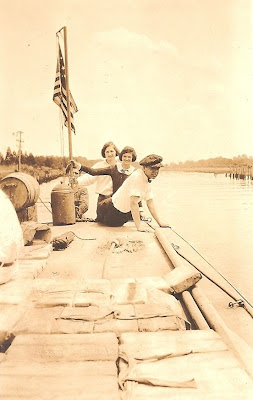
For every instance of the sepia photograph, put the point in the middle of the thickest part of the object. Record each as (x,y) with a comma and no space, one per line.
(126,200)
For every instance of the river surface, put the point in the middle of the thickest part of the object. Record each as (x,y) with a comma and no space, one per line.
(215,215)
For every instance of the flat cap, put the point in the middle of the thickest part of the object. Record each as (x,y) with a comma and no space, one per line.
(152,161)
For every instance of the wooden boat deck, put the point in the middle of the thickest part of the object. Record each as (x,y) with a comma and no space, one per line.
(90,323)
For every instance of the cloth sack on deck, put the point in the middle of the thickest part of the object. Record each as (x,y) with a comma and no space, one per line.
(33,231)
(11,239)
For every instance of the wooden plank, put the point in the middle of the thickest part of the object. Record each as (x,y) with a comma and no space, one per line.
(36,252)
(57,347)
(72,293)
(37,320)
(53,293)
(233,341)
(171,323)
(154,317)
(47,321)
(15,291)
(150,310)
(126,292)
(124,311)
(224,381)
(184,368)
(147,392)
(90,313)
(55,284)
(153,282)
(64,388)
(159,297)
(116,325)
(72,326)
(86,368)
(55,299)
(151,344)
(9,316)
(96,285)
(82,299)
(30,269)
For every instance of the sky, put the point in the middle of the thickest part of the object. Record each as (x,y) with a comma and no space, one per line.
(170,77)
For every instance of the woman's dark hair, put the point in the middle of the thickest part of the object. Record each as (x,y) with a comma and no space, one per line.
(128,149)
(107,144)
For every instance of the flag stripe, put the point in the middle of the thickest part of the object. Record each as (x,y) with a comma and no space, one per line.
(60,92)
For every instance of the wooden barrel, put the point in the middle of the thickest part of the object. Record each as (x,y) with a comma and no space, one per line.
(22,189)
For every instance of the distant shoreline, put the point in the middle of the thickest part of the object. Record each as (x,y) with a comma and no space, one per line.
(211,170)
(46,174)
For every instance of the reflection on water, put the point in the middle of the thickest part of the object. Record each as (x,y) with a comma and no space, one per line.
(214,214)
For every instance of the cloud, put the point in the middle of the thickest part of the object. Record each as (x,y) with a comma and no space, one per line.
(124,39)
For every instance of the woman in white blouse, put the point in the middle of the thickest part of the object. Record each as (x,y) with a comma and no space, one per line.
(103,182)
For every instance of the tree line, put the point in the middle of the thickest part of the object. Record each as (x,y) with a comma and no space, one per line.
(54,162)
(42,168)
(217,162)
(59,163)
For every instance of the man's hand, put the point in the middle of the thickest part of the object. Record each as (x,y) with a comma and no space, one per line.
(164,225)
(74,164)
(146,219)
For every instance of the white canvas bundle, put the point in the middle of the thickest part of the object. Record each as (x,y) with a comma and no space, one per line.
(11,236)
(11,239)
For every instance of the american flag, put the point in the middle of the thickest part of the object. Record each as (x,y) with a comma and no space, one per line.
(60,92)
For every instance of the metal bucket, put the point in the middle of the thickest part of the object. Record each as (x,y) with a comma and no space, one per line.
(63,205)
(22,189)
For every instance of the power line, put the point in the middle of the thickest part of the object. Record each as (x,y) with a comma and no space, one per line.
(20,141)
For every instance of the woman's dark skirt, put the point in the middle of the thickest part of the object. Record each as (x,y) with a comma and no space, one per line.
(108,215)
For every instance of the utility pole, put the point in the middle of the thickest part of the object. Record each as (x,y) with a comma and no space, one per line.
(20,141)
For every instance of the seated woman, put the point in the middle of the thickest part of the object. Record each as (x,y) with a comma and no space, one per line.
(124,203)
(103,183)
(119,172)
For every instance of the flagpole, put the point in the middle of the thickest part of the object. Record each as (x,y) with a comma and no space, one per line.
(68,94)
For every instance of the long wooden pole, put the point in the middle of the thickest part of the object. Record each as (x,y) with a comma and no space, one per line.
(163,235)
(68,94)
(239,347)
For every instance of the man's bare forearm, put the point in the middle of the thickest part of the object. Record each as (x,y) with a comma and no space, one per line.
(153,211)
(135,212)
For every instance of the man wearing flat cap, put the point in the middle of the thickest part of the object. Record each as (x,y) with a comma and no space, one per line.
(152,161)
(124,204)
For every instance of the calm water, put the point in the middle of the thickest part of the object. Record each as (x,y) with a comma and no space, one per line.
(215,215)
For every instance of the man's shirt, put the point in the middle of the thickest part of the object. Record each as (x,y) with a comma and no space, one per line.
(135,185)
